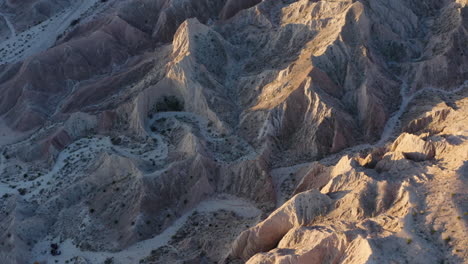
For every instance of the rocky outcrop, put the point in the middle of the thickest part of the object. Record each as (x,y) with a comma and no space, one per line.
(413,147)
(374,202)
(317,245)
(158,130)
(300,210)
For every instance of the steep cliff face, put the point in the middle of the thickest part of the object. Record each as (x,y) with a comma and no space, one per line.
(380,205)
(298,131)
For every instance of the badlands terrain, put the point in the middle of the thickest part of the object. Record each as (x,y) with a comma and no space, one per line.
(233,131)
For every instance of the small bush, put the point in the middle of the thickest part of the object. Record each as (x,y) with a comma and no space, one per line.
(116,141)
(408,241)
(75,22)
(169,104)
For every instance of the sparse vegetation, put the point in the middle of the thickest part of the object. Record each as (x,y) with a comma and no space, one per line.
(75,22)
(116,140)
(305,102)
(22,191)
(109,261)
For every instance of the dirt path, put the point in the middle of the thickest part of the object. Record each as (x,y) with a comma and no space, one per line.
(281,173)
(42,36)
(143,248)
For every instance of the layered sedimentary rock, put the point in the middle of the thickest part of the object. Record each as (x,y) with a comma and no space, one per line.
(306,131)
(395,208)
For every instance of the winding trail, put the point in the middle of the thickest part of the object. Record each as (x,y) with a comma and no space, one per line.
(394,120)
(42,36)
(280,174)
(201,123)
(202,126)
(143,248)
(70,155)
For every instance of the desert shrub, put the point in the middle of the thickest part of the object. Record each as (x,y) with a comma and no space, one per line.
(116,141)
(75,22)
(22,191)
(169,104)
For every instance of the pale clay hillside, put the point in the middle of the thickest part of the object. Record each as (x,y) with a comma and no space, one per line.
(233,131)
